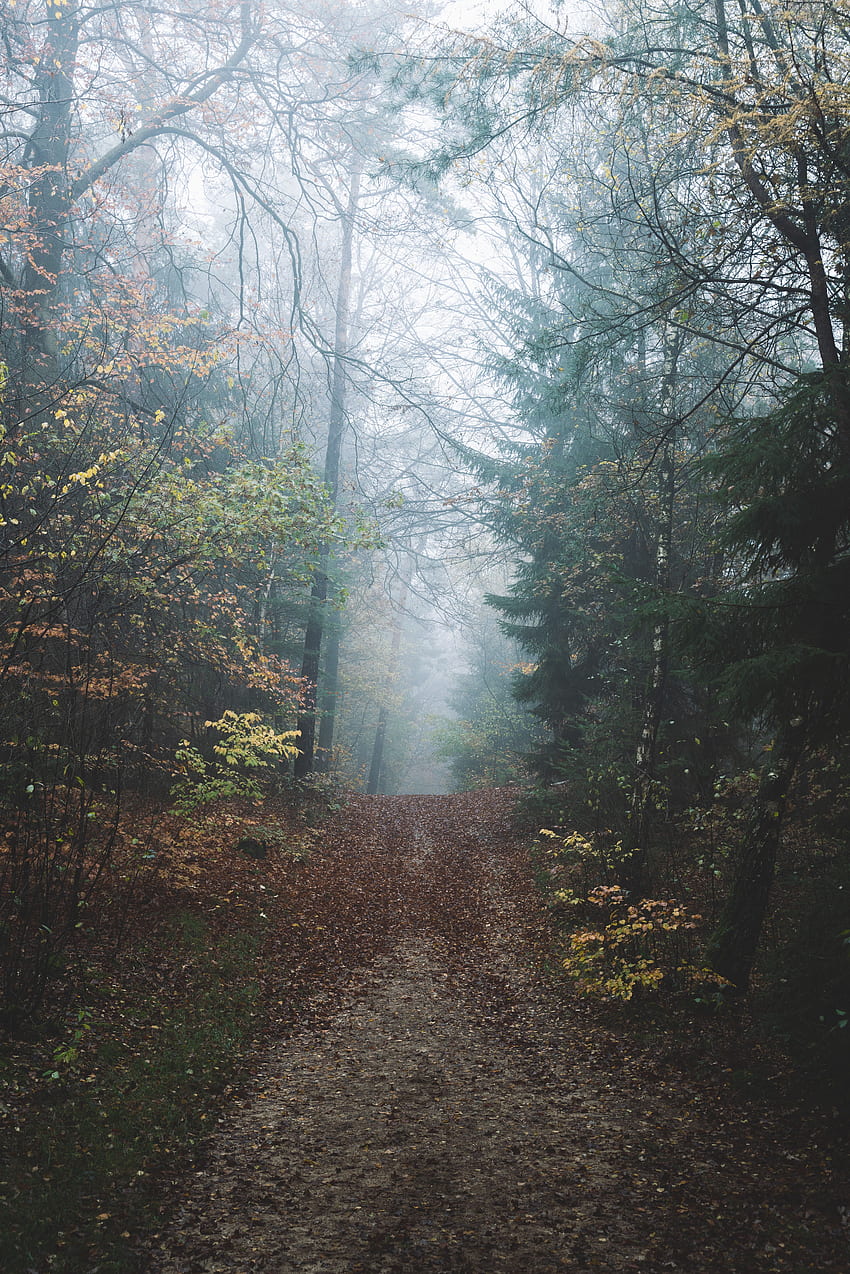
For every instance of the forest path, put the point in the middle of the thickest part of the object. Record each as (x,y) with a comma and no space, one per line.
(448,1116)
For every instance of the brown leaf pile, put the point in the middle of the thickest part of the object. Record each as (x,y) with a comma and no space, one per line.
(433,1107)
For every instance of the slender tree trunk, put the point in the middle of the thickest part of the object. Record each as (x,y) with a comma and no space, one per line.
(374,781)
(642,806)
(310,673)
(806,239)
(327,716)
(373,785)
(305,760)
(266,599)
(50,200)
(732,948)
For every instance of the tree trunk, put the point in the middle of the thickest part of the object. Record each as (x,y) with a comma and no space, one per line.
(327,715)
(50,200)
(374,781)
(310,673)
(305,760)
(373,786)
(642,805)
(375,768)
(805,238)
(732,948)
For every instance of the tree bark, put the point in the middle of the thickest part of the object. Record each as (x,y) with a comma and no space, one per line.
(373,785)
(305,761)
(327,716)
(50,199)
(374,781)
(310,672)
(732,948)
(805,238)
(639,826)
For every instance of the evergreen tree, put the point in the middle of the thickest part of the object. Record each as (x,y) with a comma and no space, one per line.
(778,642)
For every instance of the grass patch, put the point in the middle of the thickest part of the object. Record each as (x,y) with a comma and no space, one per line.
(89,1123)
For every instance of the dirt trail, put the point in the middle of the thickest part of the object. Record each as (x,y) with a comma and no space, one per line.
(448,1117)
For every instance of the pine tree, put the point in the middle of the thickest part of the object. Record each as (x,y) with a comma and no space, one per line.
(778,643)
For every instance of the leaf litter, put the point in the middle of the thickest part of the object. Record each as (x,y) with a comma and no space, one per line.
(441,1109)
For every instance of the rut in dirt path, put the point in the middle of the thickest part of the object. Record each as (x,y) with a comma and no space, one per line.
(447,1118)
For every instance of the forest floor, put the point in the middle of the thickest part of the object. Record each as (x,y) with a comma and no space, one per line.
(439,1106)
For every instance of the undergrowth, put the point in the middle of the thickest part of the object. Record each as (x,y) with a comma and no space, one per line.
(127,1089)
(643,963)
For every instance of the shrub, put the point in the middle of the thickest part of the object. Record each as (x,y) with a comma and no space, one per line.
(634,947)
(246,746)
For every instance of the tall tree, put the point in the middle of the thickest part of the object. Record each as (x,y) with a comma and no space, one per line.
(316,621)
(747,107)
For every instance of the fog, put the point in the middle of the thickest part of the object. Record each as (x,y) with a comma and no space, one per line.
(337,319)
(421,400)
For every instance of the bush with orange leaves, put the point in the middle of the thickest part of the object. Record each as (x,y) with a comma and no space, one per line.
(636,947)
